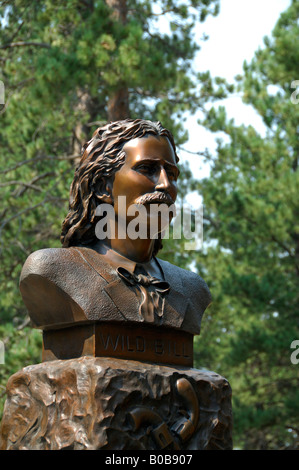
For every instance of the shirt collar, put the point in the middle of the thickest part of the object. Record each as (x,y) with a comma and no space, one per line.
(116,260)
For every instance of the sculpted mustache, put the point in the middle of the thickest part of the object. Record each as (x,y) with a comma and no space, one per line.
(155,197)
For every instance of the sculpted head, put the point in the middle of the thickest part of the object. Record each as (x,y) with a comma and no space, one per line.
(103,156)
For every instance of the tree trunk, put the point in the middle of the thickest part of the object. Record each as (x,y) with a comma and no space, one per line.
(118,102)
(118,105)
(80,133)
(119,9)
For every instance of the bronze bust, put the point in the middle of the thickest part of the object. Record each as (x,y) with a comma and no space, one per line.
(117,282)
(118,323)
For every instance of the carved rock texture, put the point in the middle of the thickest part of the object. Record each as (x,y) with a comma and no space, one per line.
(85,403)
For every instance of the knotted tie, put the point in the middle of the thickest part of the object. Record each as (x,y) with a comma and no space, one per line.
(150,291)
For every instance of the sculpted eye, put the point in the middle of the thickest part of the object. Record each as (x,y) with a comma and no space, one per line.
(172,174)
(147,168)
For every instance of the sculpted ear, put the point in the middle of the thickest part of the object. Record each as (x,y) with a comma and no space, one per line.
(103,191)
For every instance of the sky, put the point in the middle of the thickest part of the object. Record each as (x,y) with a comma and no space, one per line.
(234,36)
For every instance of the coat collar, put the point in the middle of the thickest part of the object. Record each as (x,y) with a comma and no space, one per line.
(125,300)
(172,278)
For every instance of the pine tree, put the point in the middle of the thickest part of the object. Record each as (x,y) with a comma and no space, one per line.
(67,68)
(251,258)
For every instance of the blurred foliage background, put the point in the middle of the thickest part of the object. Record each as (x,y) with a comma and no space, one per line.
(69,67)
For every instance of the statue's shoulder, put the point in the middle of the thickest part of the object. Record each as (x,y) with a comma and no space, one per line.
(194,290)
(184,275)
(48,262)
(192,282)
(53,287)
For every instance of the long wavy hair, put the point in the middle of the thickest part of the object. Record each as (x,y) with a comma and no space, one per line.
(103,156)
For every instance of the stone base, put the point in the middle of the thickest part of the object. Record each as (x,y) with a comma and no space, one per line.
(113,404)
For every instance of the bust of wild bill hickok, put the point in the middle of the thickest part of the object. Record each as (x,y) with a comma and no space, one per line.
(116,278)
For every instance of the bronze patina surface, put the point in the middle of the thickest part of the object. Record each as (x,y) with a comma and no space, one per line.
(143,343)
(115,279)
(114,404)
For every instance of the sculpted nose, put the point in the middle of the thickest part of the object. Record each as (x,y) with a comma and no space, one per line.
(163,181)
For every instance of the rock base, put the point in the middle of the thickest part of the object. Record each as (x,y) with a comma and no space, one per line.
(113,404)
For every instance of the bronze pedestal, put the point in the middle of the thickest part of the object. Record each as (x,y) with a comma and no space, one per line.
(115,404)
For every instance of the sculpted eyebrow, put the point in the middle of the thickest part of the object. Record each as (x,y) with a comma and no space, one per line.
(152,162)
(147,161)
(172,167)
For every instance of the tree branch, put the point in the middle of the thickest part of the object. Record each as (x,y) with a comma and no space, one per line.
(34,180)
(47,198)
(37,159)
(26,43)
(200,154)
(27,185)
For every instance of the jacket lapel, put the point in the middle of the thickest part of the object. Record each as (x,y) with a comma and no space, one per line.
(123,296)
(177,303)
